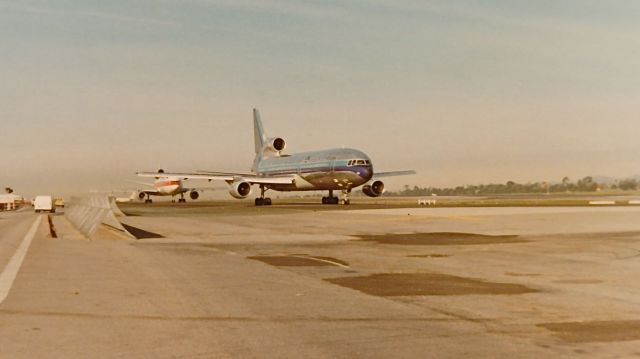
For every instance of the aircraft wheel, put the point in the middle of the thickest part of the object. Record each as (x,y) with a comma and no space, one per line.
(259,201)
(267,201)
(324,200)
(335,200)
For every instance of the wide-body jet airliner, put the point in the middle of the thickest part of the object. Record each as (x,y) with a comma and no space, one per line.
(340,169)
(165,185)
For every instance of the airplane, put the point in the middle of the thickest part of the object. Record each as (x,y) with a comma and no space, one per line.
(338,169)
(166,185)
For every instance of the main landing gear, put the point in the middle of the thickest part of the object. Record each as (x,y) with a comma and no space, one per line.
(180,200)
(331,199)
(335,200)
(262,201)
(148,200)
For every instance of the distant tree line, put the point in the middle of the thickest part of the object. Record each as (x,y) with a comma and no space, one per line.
(585,184)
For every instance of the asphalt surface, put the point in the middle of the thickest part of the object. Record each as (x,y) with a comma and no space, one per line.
(306,283)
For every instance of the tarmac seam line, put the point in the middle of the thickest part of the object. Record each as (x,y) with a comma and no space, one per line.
(8,276)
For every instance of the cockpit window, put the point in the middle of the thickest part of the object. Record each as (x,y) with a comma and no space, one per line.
(358,163)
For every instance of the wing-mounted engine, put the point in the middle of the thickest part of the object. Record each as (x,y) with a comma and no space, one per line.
(240,189)
(274,146)
(194,195)
(141,195)
(374,189)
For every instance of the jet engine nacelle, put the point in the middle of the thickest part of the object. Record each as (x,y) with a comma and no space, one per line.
(240,189)
(277,144)
(194,195)
(375,189)
(141,195)
(160,171)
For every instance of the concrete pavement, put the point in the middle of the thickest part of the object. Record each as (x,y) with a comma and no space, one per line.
(205,289)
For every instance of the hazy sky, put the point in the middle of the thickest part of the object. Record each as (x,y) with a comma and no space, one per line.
(462,91)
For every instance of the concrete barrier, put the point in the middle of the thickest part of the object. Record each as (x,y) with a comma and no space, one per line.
(114,207)
(88,213)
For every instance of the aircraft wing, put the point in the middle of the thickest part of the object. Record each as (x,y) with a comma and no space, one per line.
(393,174)
(227,177)
(204,189)
(225,173)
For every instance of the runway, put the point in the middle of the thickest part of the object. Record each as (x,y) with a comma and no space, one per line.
(301,281)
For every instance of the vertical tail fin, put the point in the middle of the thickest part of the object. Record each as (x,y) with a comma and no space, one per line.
(260,139)
(258,132)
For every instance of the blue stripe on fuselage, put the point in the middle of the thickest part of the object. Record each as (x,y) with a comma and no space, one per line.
(327,161)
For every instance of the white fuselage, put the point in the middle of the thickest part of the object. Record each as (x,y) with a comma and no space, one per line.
(168,186)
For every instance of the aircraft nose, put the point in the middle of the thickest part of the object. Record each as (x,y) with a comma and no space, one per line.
(366,173)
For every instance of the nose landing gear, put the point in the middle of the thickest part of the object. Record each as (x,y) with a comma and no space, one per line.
(345,197)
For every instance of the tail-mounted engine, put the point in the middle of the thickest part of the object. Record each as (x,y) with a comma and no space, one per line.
(240,189)
(275,146)
(375,189)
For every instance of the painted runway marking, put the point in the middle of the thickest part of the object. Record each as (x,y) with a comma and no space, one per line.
(321,260)
(11,270)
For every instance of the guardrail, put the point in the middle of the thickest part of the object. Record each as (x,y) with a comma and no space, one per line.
(88,213)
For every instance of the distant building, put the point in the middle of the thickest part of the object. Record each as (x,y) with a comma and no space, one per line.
(9,202)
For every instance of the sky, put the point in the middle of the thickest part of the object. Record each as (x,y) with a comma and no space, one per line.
(464,92)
